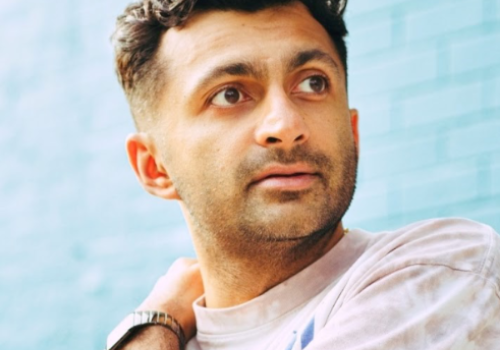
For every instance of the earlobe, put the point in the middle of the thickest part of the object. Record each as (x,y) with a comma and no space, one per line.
(148,167)
(354,126)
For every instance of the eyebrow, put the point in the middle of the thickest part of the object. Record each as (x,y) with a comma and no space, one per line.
(250,69)
(232,69)
(304,57)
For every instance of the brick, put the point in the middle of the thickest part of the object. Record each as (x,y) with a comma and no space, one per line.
(400,157)
(489,10)
(370,201)
(491,92)
(370,39)
(406,185)
(374,114)
(495,179)
(495,159)
(438,172)
(449,17)
(441,104)
(489,217)
(177,237)
(367,207)
(404,69)
(440,192)
(364,6)
(476,139)
(482,210)
(496,6)
(474,54)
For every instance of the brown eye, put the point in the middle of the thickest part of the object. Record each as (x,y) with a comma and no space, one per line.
(227,97)
(314,84)
(317,84)
(232,95)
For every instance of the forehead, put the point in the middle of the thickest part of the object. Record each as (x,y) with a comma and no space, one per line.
(263,37)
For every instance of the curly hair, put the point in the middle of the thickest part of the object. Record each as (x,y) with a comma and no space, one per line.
(139,29)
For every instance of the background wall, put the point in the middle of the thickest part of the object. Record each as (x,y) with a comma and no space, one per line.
(425,76)
(81,243)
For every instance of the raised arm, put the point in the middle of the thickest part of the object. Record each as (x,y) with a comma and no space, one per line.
(172,298)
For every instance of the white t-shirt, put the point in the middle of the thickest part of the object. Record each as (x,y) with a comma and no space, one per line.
(431,285)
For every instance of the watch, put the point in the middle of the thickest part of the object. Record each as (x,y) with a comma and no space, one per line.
(140,319)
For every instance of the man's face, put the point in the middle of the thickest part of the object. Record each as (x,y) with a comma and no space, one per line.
(255,130)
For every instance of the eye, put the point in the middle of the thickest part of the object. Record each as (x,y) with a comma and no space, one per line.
(228,97)
(315,84)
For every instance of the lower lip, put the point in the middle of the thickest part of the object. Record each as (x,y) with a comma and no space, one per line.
(288,183)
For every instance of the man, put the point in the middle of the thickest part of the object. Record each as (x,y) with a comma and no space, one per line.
(243,117)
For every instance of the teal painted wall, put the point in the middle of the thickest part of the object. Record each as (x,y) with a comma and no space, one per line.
(82,243)
(425,76)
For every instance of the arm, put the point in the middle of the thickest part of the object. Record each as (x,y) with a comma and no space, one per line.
(174,293)
(418,307)
(434,286)
(153,338)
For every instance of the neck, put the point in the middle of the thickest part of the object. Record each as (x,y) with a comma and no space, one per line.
(233,278)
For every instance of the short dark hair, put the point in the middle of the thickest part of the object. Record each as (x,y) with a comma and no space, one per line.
(139,29)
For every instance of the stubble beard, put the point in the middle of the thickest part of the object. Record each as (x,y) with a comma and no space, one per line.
(238,226)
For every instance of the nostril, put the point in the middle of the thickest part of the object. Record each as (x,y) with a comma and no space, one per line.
(272,140)
(299,138)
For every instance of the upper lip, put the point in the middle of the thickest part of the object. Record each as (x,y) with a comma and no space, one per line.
(284,170)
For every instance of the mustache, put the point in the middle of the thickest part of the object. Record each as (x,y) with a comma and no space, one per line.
(254,164)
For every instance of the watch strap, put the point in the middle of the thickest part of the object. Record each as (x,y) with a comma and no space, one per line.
(140,319)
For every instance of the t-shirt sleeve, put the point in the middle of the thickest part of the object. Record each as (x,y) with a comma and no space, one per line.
(418,307)
(434,286)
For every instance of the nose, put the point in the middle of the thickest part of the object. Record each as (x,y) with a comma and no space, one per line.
(282,124)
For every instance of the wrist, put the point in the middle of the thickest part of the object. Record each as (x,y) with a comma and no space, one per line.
(184,317)
(139,320)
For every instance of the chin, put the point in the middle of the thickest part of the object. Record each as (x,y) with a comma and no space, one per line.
(293,222)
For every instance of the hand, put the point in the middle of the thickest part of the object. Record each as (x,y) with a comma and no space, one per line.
(175,292)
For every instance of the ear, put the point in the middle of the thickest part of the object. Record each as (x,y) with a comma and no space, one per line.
(148,167)
(354,126)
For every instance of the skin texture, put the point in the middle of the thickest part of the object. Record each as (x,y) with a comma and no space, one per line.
(256,141)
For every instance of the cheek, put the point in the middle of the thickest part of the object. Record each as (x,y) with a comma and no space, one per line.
(330,130)
(198,159)
(221,144)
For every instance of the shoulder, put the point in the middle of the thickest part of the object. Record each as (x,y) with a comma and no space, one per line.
(459,244)
(432,284)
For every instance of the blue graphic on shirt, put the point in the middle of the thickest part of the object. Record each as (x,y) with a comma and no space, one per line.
(290,346)
(306,337)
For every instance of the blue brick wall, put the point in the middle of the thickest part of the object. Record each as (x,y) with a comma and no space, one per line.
(425,78)
(82,243)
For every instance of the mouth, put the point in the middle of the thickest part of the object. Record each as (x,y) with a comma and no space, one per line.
(286,178)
